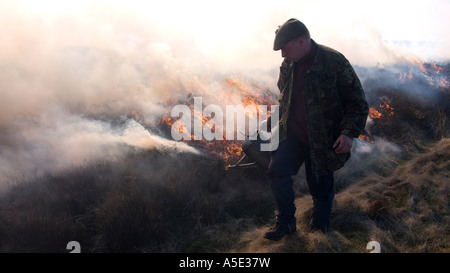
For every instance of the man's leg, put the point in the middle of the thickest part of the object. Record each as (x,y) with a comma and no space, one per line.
(321,189)
(284,163)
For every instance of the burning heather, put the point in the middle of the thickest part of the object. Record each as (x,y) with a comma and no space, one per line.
(234,91)
(425,85)
(384,109)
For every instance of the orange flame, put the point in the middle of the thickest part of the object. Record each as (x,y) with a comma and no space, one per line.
(385,110)
(366,138)
(422,67)
(373,113)
(438,69)
(232,149)
(431,71)
(250,97)
(167,120)
(239,85)
(406,76)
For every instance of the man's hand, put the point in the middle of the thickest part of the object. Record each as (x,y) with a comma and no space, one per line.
(343,144)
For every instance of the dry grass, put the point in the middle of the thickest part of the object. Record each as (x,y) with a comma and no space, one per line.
(408,211)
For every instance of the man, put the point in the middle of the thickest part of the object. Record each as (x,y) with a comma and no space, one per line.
(322,108)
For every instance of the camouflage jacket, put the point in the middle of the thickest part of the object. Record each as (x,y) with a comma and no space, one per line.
(335,105)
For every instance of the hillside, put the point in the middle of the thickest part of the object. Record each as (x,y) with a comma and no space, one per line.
(408,211)
(152,202)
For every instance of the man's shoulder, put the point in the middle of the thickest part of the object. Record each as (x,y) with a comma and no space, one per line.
(332,54)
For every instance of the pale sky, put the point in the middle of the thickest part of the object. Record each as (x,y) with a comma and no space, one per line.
(367,32)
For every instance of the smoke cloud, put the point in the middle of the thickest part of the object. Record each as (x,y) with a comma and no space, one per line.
(74,74)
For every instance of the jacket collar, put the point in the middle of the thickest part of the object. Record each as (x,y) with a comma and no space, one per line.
(318,64)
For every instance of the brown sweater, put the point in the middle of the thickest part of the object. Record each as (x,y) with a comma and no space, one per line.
(297,116)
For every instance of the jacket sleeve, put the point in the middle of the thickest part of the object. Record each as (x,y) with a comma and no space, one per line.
(354,101)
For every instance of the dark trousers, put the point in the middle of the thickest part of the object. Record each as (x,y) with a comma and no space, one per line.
(286,162)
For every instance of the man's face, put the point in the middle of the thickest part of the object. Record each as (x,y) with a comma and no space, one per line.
(294,50)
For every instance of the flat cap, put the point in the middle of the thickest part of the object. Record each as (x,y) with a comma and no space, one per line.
(290,30)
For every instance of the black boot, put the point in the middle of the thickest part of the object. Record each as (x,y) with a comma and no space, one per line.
(281,228)
(324,229)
